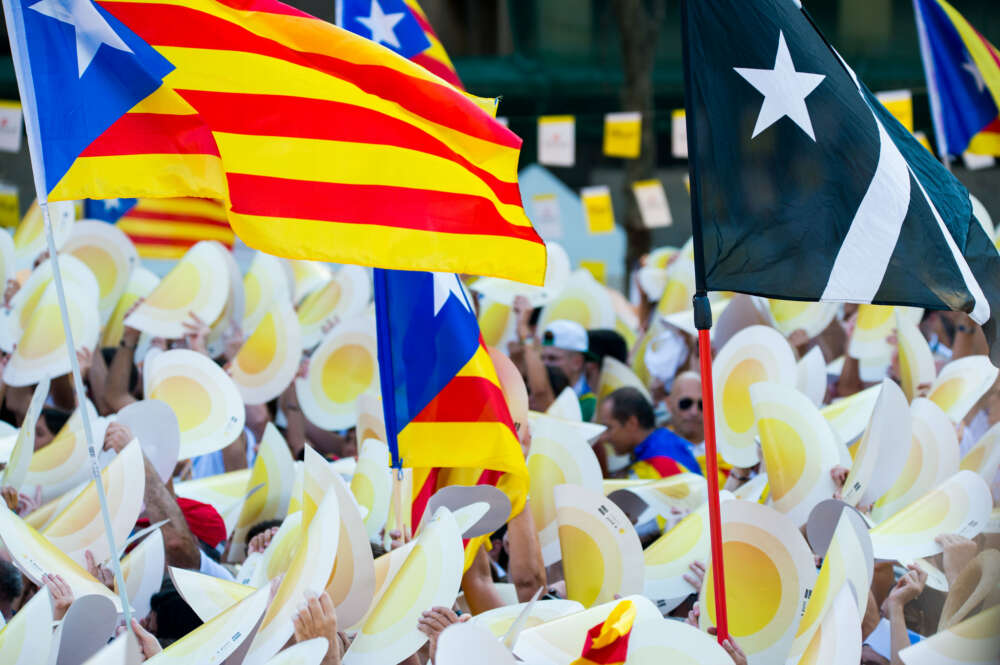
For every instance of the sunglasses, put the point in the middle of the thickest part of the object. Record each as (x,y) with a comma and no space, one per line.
(686,403)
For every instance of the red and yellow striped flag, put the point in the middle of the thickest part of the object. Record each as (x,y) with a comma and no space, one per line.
(167,228)
(607,642)
(435,58)
(324,145)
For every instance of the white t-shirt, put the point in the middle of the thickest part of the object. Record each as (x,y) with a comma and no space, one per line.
(209,567)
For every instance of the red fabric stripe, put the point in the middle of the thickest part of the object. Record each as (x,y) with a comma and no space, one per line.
(273,115)
(423,496)
(665,466)
(169,242)
(467,399)
(174,217)
(435,66)
(266,6)
(170,25)
(154,133)
(442,212)
(989,47)
(612,654)
(993,127)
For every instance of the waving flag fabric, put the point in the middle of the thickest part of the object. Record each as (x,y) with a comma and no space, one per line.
(165,228)
(440,391)
(807,188)
(386,22)
(963,79)
(434,58)
(323,144)
(607,642)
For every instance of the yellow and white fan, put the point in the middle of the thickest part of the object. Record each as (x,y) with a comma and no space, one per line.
(668,641)
(140,284)
(811,376)
(371,484)
(341,369)
(198,283)
(274,467)
(849,416)
(961,383)
(7,261)
(65,463)
(559,455)
(341,298)
(109,254)
(430,576)
(371,422)
(503,291)
(616,374)
(29,237)
(916,362)
(310,652)
(499,621)
(497,323)
(960,505)
(583,300)
(27,638)
(25,301)
(679,288)
(204,398)
(267,362)
(770,574)
(810,317)
(261,568)
(871,331)
(207,596)
(19,461)
(754,354)
(798,446)
(307,276)
(143,569)
(974,641)
(264,286)
(601,553)
(932,459)
(838,638)
(984,457)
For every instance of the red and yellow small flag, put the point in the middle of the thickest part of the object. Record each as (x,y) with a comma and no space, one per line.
(607,642)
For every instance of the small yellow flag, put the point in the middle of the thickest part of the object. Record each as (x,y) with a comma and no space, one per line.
(623,134)
(596,268)
(900,104)
(597,208)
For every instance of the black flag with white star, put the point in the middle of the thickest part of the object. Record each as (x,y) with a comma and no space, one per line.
(805,188)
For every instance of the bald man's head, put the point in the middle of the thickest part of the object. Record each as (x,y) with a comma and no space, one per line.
(684,403)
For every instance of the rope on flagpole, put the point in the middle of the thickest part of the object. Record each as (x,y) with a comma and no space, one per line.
(81,398)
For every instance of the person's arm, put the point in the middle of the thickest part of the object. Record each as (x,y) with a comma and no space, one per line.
(477,583)
(116,394)
(537,378)
(63,391)
(958,552)
(257,419)
(526,567)
(234,456)
(288,402)
(907,588)
(97,378)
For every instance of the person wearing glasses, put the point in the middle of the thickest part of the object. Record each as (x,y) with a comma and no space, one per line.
(684,403)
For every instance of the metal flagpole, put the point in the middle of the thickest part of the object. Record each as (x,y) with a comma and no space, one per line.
(703,322)
(25,84)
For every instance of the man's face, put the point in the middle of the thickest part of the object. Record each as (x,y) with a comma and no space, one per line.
(570,362)
(43,436)
(617,434)
(684,403)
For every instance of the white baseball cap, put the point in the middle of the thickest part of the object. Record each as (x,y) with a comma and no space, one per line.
(564,334)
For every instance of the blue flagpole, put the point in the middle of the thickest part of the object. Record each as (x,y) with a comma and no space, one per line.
(386,369)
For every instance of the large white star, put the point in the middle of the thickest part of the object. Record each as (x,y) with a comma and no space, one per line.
(112,204)
(784,89)
(90,27)
(977,75)
(382,25)
(447,285)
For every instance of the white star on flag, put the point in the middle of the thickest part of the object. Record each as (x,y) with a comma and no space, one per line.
(977,75)
(112,204)
(446,285)
(784,89)
(382,25)
(90,27)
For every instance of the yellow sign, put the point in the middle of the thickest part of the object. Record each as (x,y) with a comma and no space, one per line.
(900,104)
(597,208)
(623,134)
(596,268)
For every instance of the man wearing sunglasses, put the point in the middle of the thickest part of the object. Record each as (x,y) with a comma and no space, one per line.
(684,404)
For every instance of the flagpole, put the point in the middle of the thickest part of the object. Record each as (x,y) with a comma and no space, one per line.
(927,58)
(25,84)
(703,322)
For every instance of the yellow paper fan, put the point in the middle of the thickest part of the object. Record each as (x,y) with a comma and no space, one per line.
(342,298)
(961,383)
(198,283)
(559,455)
(264,285)
(770,573)
(679,288)
(798,446)
(675,642)
(916,362)
(109,254)
(754,354)
(310,652)
(259,569)
(601,553)
(65,463)
(984,457)
(341,369)
(274,467)
(371,422)
(371,484)
(497,325)
(267,362)
(811,376)
(207,596)
(80,527)
(6,257)
(871,331)
(583,300)
(205,400)
(26,300)
(498,621)
(975,641)
(430,576)
(932,458)
(140,284)
(838,638)
(885,442)
(27,639)
(308,276)
(849,416)
(615,375)
(792,315)
(143,569)
(960,505)
(19,462)
(29,238)
(682,491)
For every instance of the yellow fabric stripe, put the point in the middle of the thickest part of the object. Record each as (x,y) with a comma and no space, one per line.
(142,176)
(239,72)
(985,143)
(429,445)
(164,100)
(163,252)
(480,365)
(184,206)
(368,244)
(175,230)
(436,50)
(355,164)
(977,49)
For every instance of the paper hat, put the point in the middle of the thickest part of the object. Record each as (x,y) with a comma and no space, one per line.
(143,569)
(430,576)
(792,315)
(754,354)
(811,376)
(308,276)
(916,362)
(109,254)
(850,415)
(19,460)
(961,505)
(218,490)
(64,463)
(267,362)
(214,641)
(343,297)
(798,447)
(559,455)
(885,442)
(932,459)
(205,400)
(961,383)
(341,369)
(198,283)
(984,457)
(265,284)
(583,300)
(155,425)
(974,641)
(499,621)
(769,575)
(557,271)
(566,406)
(140,284)
(29,238)
(679,288)
(601,553)
(371,484)
(668,641)
(273,467)
(28,637)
